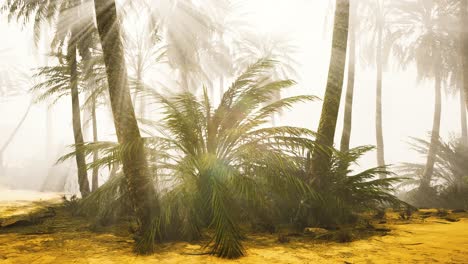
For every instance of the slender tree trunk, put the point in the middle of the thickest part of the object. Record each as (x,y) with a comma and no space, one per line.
(464,127)
(327,126)
(76,115)
(348,112)
(140,87)
(464,46)
(95,180)
(378,104)
(433,148)
(135,167)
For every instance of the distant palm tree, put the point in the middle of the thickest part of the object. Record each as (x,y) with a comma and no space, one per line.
(53,84)
(426,41)
(321,159)
(72,22)
(463,90)
(253,46)
(450,174)
(464,45)
(378,41)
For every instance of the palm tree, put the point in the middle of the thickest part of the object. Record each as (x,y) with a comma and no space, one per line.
(464,46)
(463,90)
(378,42)
(68,19)
(428,44)
(463,123)
(143,51)
(215,162)
(327,126)
(53,85)
(142,192)
(348,111)
(450,170)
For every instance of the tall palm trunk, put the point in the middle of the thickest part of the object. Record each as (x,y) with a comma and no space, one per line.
(84,50)
(140,88)
(76,115)
(95,180)
(464,127)
(464,46)
(433,148)
(135,167)
(348,112)
(327,126)
(378,103)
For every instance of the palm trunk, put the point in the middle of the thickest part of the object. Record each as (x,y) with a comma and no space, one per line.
(76,115)
(135,167)
(433,148)
(378,104)
(464,46)
(95,180)
(348,112)
(327,126)
(464,127)
(140,87)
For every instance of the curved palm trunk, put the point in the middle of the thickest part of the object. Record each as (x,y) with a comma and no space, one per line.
(348,112)
(76,115)
(327,126)
(433,148)
(95,180)
(464,127)
(135,167)
(378,104)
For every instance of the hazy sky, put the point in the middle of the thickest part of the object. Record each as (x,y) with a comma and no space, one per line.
(407,105)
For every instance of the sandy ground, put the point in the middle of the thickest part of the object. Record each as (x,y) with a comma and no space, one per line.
(63,239)
(21,202)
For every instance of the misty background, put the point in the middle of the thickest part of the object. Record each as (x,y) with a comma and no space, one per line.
(46,133)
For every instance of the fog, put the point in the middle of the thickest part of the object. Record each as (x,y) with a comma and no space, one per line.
(46,132)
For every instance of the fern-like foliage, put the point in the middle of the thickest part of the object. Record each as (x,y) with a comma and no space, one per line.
(211,164)
(450,177)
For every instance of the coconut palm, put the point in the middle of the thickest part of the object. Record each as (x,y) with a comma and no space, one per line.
(214,163)
(464,46)
(53,85)
(379,20)
(449,179)
(73,24)
(135,167)
(348,111)
(327,126)
(430,46)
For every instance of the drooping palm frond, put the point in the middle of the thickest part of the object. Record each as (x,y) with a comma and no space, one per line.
(226,154)
(345,194)
(450,179)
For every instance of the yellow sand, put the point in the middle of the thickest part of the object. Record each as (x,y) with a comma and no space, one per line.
(433,240)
